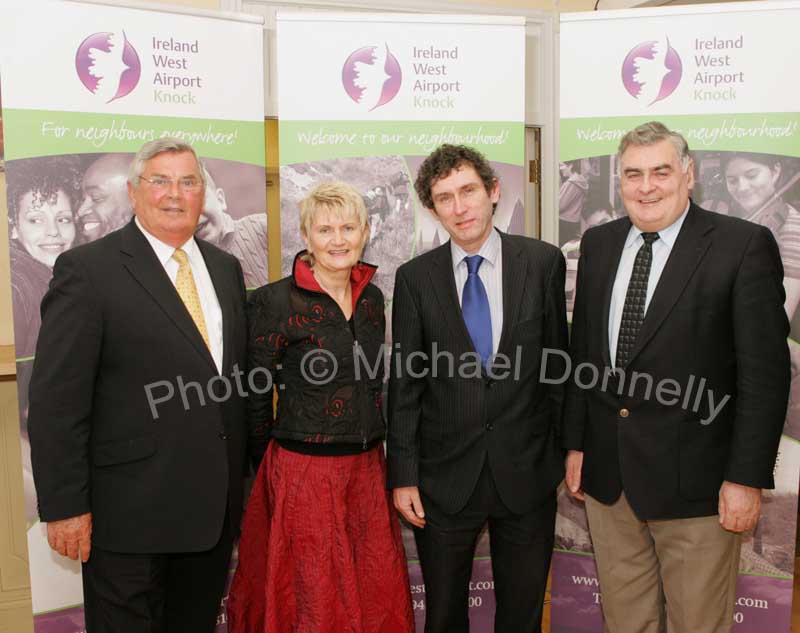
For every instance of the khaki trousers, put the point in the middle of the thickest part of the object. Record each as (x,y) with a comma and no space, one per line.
(688,566)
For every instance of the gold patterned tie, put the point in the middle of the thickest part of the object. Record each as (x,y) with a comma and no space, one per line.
(184,284)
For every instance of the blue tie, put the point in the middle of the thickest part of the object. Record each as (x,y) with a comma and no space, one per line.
(475,307)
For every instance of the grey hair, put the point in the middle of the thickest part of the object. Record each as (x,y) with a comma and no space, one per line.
(651,133)
(156,147)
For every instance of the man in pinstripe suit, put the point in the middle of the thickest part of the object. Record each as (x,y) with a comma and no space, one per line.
(468,445)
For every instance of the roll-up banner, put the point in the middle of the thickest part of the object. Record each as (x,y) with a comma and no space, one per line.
(364,99)
(717,74)
(84,86)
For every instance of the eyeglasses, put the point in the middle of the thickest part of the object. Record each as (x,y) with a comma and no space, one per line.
(189,184)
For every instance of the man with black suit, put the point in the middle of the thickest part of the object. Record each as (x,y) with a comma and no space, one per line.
(144,488)
(690,302)
(472,430)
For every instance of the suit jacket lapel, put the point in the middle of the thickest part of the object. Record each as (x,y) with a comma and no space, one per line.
(609,264)
(688,251)
(444,282)
(141,261)
(216,270)
(515,273)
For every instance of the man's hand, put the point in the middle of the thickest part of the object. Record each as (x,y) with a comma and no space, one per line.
(739,506)
(72,537)
(574,466)
(407,501)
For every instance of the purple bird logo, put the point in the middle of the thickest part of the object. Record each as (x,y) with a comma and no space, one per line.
(651,71)
(371,76)
(108,65)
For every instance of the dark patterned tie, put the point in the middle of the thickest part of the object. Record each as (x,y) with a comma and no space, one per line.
(633,311)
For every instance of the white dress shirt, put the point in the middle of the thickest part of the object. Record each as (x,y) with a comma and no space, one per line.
(662,247)
(212,313)
(490,273)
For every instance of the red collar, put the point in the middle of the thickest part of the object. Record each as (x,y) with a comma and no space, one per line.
(360,276)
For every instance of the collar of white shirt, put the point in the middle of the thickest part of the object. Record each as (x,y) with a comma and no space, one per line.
(164,251)
(666,236)
(489,250)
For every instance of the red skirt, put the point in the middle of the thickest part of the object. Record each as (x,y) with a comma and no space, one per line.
(321,550)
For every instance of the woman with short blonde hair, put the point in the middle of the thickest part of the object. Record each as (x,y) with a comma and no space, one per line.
(321,547)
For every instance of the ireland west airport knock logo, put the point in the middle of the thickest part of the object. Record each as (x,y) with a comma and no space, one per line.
(651,71)
(371,76)
(108,65)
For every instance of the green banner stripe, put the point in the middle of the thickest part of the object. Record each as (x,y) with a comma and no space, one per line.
(572,551)
(306,141)
(58,610)
(31,133)
(778,576)
(775,133)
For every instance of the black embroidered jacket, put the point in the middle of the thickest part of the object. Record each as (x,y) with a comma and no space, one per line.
(328,376)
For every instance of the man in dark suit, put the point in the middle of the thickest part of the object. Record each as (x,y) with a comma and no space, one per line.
(472,430)
(145,488)
(672,448)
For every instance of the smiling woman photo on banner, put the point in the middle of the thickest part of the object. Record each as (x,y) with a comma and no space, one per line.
(758,185)
(43,196)
(763,188)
